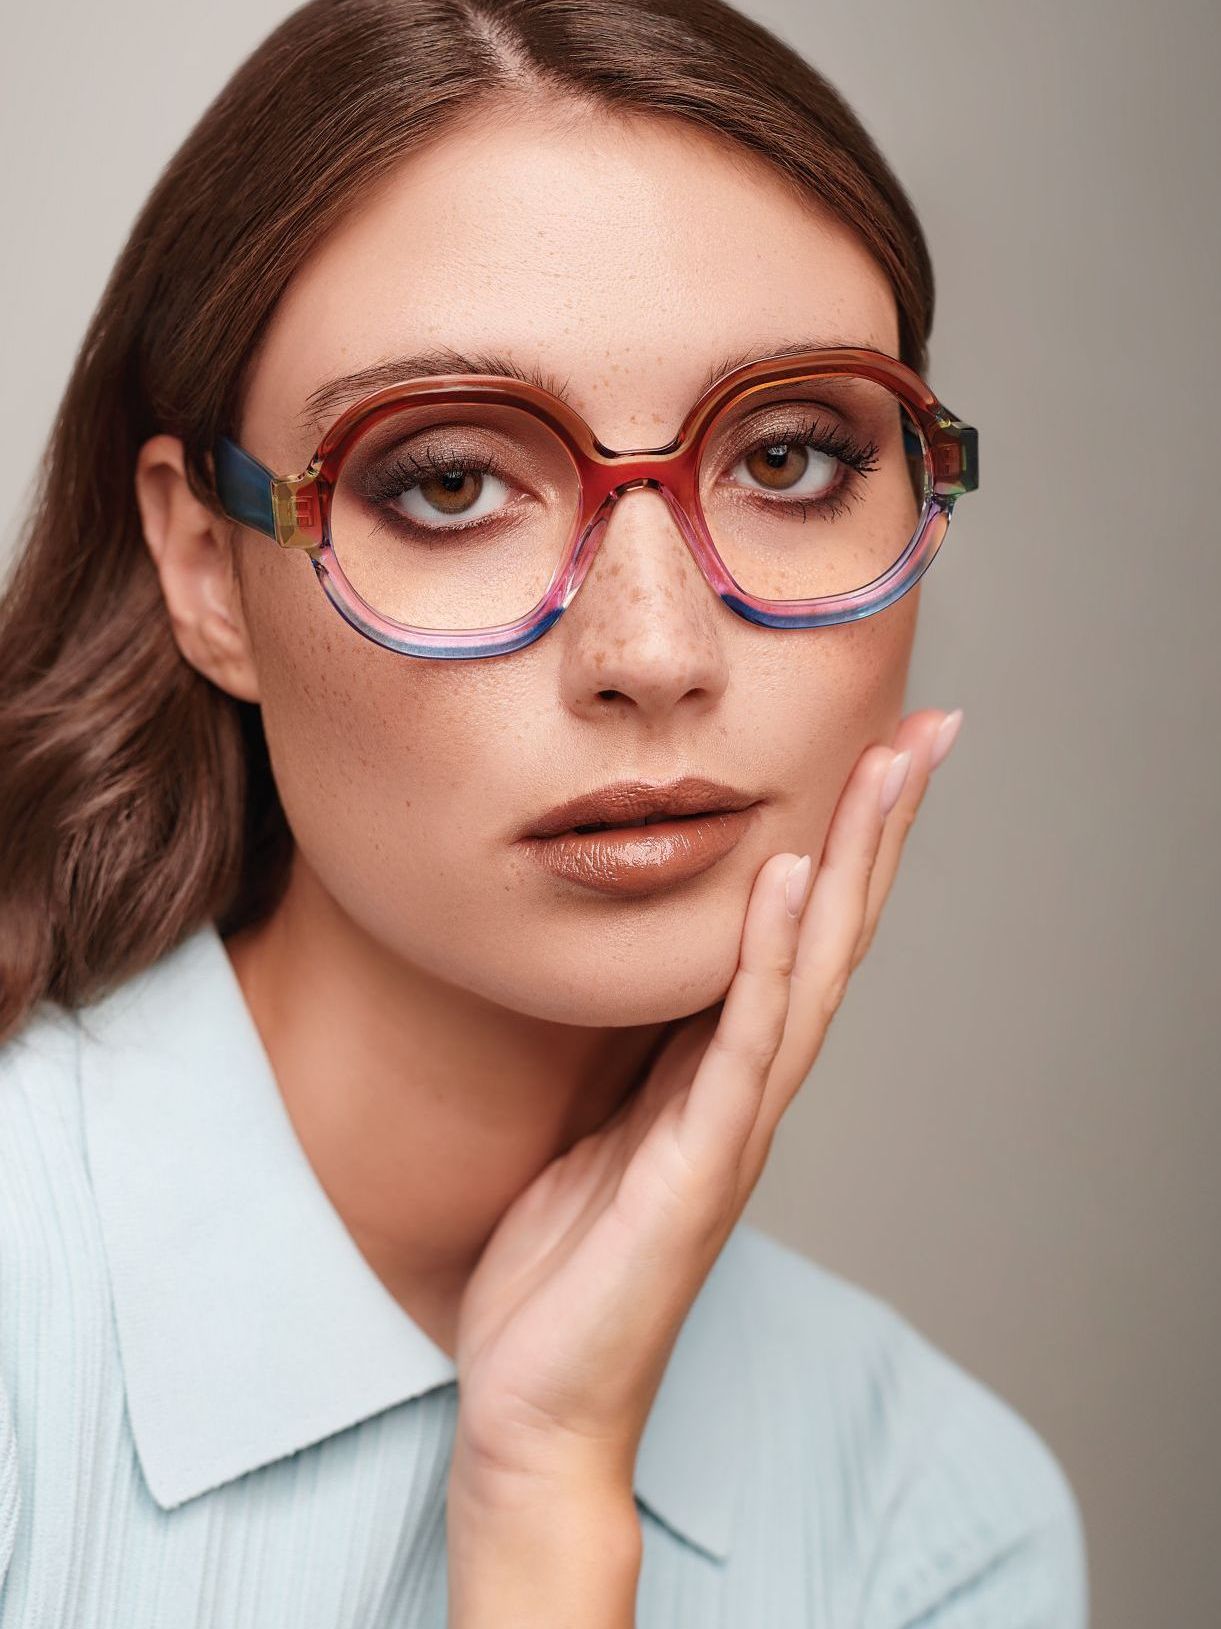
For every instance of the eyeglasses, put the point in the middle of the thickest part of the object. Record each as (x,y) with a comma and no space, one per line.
(456,515)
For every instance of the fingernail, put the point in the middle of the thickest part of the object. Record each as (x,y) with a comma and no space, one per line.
(895,777)
(945,736)
(795,886)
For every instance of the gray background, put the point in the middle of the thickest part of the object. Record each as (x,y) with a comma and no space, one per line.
(1013,1129)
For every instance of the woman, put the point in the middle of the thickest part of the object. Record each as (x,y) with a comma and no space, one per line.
(375,1136)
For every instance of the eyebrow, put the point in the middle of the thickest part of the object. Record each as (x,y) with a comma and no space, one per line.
(825,342)
(337,393)
(348,387)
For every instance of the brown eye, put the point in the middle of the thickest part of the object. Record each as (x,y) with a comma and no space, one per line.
(428,495)
(451,492)
(779,466)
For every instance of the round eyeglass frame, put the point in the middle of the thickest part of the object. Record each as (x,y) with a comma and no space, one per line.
(296,509)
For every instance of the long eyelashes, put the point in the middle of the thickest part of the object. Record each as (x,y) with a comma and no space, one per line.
(861,458)
(407,470)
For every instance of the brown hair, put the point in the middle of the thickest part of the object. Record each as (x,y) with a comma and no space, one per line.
(136,797)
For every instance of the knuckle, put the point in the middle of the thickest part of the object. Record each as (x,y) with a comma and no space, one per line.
(761,1048)
(753,1052)
(759,1052)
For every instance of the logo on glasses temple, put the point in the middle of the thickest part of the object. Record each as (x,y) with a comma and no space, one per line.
(297,518)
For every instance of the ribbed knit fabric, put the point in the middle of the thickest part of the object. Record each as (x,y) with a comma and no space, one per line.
(214,1416)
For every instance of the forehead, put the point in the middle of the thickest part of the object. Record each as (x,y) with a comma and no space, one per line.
(628,260)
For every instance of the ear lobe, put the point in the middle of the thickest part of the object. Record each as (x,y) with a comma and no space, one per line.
(193,555)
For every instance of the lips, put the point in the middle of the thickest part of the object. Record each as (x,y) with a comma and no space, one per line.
(626,825)
(632,862)
(641,803)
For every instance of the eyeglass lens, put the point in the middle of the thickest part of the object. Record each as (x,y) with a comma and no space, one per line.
(458,516)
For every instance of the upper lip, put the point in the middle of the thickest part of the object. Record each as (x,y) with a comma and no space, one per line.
(634,800)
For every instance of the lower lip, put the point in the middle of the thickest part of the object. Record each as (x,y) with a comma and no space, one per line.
(635,860)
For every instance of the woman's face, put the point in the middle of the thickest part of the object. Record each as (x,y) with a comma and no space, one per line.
(626,259)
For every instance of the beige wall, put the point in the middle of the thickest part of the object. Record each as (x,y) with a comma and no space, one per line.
(1014,1129)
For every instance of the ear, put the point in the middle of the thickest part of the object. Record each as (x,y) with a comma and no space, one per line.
(192,549)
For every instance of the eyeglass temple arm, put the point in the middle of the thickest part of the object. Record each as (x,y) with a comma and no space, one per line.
(244,486)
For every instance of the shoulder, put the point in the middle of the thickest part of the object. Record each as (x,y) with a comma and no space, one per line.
(961,1511)
(40,1122)
(51,1259)
(55,1311)
(10,1483)
(43,1195)
(42,1150)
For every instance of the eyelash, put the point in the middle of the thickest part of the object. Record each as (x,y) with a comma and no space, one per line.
(380,486)
(437,463)
(860,458)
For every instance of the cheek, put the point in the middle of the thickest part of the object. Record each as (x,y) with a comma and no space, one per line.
(371,752)
(876,659)
(851,695)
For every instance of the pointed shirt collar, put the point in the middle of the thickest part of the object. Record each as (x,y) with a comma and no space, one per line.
(250,1325)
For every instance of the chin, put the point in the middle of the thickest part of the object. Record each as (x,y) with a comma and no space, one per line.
(612,982)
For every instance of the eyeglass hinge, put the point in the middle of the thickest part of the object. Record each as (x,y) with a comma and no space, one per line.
(955,458)
(297,514)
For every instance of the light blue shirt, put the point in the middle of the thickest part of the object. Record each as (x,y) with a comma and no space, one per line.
(214,1415)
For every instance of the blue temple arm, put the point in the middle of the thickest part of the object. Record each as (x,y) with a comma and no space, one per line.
(243,485)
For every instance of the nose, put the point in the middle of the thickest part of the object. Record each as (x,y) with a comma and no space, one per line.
(644,621)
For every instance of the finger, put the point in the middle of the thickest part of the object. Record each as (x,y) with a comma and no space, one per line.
(722,1102)
(915,734)
(830,928)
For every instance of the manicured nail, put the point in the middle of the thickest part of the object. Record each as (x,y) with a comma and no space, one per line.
(893,784)
(944,738)
(795,886)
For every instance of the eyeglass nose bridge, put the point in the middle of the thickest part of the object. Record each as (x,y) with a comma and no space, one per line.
(695,536)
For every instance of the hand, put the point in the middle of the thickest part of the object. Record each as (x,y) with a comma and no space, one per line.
(569,1318)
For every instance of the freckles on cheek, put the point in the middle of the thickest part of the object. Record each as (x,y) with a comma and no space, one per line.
(853,681)
(345,738)
(869,673)
(850,695)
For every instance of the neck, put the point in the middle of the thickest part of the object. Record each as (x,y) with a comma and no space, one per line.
(424,1109)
